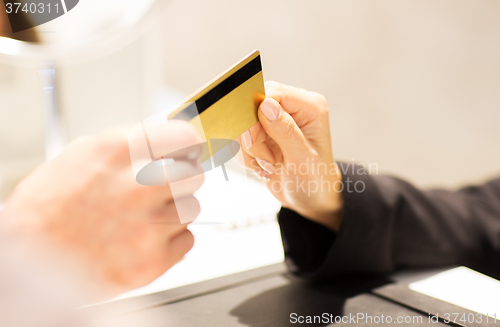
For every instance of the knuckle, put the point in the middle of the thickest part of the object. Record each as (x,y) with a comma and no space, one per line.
(194,205)
(175,135)
(112,147)
(188,241)
(288,129)
(320,102)
(186,185)
(79,140)
(198,181)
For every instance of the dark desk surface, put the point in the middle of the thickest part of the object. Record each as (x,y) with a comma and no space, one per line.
(266,297)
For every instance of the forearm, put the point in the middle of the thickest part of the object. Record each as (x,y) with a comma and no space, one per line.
(391,224)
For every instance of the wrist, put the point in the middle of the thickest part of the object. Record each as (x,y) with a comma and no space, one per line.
(328,204)
(330,218)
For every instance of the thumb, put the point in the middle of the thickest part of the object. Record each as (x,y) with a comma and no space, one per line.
(283,129)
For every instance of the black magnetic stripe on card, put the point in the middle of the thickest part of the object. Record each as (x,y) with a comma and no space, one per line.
(229,84)
(221,90)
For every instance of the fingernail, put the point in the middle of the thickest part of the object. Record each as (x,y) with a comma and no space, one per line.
(262,175)
(265,178)
(270,109)
(266,166)
(247,139)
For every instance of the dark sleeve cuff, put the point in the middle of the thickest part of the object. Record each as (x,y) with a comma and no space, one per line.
(364,241)
(305,242)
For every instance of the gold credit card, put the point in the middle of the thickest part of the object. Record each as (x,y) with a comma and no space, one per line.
(227,106)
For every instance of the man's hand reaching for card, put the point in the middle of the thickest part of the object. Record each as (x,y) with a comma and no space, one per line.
(290,148)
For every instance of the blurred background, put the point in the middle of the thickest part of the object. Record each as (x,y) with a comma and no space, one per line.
(413,86)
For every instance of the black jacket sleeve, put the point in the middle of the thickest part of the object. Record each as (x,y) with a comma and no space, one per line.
(389,224)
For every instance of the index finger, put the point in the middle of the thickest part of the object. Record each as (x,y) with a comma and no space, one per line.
(304,106)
